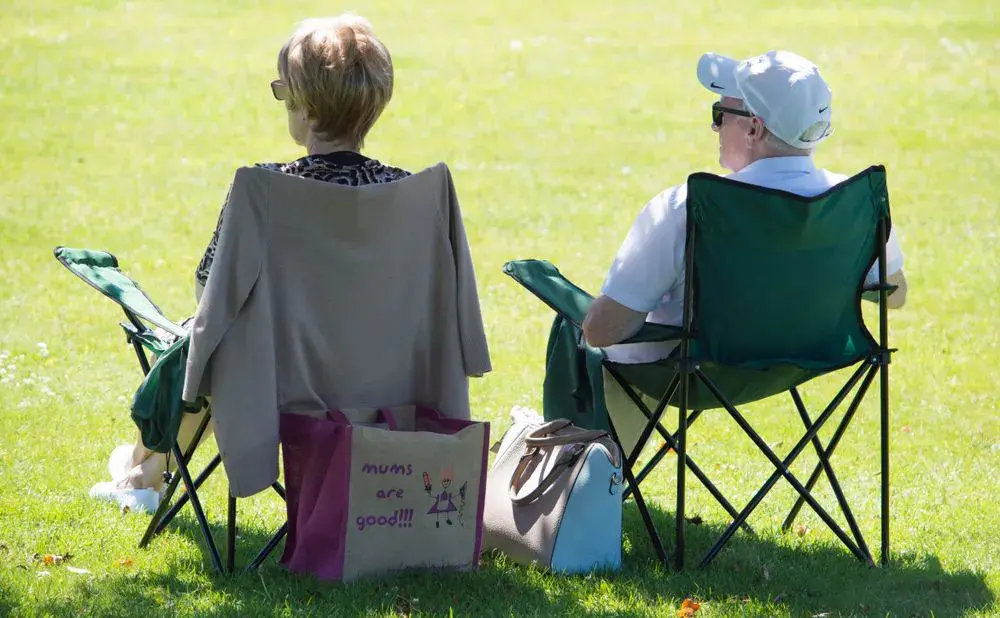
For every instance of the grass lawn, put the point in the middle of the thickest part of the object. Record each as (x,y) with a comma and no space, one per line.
(122,124)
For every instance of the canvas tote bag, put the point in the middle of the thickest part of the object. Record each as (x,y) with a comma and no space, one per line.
(374,491)
(553,497)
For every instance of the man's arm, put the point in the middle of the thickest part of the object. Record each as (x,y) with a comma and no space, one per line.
(609,322)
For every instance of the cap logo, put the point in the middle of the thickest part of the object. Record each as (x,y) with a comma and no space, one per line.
(716,86)
(823,109)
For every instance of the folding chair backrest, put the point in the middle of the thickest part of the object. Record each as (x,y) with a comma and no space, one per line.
(100,270)
(777,277)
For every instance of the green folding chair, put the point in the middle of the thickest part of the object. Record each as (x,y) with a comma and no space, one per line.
(157,407)
(772,300)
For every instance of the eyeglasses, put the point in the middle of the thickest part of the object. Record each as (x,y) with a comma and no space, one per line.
(279,89)
(718,111)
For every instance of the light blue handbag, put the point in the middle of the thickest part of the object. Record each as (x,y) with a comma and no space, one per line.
(553,498)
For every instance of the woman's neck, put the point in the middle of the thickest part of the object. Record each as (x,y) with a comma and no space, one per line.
(316,146)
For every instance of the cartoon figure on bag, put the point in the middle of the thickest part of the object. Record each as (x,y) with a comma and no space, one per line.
(444,503)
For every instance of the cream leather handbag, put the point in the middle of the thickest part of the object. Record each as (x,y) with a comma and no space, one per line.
(553,497)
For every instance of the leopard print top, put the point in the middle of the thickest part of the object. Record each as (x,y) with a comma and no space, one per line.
(344,168)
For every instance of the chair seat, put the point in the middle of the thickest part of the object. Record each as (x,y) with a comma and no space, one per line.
(740,384)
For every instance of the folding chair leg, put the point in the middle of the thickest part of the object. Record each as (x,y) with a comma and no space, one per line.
(824,462)
(681,448)
(177,506)
(165,513)
(192,494)
(884,400)
(654,536)
(271,544)
(782,467)
(670,443)
(274,540)
(834,441)
(231,535)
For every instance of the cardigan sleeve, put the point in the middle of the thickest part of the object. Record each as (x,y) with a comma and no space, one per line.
(235,269)
(475,351)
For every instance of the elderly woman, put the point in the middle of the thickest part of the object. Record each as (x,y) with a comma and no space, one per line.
(335,79)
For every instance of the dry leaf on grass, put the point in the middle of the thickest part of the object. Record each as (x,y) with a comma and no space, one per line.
(688,609)
(125,562)
(801,530)
(51,559)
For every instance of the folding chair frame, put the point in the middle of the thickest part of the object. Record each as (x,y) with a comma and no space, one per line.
(688,369)
(143,339)
(135,333)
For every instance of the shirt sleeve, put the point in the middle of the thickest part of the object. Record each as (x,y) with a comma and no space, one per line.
(651,259)
(238,259)
(893,259)
(475,350)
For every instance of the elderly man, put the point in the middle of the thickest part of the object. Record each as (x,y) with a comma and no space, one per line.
(773,111)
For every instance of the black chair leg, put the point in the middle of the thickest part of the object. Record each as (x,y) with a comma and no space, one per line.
(781,467)
(164,513)
(884,404)
(231,535)
(271,545)
(670,442)
(824,462)
(199,513)
(640,504)
(183,500)
(834,441)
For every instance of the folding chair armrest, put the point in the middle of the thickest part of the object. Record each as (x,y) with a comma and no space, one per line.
(871,292)
(651,332)
(546,282)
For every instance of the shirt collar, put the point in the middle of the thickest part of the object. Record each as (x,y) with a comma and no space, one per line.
(778,165)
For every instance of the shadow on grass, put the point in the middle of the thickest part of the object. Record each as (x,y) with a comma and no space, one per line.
(755,574)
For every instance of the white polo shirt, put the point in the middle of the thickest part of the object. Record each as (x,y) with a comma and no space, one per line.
(648,272)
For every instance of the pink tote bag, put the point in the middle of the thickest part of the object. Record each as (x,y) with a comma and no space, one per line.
(371,491)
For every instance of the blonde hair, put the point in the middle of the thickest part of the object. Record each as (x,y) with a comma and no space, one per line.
(339,73)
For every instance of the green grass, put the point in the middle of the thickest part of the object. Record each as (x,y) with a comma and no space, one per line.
(122,123)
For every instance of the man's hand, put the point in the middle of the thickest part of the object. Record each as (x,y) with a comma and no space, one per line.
(609,322)
(897,298)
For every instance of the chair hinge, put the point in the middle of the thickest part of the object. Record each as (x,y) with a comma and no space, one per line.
(687,366)
(882,357)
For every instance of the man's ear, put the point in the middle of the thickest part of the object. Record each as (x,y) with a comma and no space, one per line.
(756,131)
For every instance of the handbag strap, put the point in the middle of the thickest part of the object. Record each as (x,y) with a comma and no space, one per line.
(564,462)
(543,436)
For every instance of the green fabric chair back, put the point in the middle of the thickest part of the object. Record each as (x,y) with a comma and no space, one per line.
(777,276)
(100,270)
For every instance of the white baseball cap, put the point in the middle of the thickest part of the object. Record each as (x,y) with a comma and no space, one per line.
(783,89)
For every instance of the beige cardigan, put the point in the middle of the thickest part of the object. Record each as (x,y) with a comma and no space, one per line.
(323,297)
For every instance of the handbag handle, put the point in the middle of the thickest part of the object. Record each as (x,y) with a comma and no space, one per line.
(567,457)
(543,437)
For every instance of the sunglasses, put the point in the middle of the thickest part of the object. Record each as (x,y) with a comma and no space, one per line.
(279,89)
(718,111)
